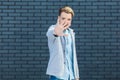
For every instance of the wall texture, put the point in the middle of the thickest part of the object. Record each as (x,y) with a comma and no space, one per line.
(23,43)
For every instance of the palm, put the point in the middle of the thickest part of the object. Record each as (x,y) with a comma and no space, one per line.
(60,28)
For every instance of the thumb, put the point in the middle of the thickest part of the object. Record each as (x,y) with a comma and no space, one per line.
(65,34)
(58,21)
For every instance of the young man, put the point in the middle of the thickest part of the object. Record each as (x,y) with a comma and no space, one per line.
(61,42)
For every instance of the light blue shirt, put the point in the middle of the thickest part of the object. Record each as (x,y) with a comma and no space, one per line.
(68,72)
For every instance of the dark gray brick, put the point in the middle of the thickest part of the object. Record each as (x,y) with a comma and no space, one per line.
(24,52)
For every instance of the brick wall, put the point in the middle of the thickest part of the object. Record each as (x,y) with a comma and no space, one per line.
(23,43)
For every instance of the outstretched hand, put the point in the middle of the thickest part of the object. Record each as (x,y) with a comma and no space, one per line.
(60,27)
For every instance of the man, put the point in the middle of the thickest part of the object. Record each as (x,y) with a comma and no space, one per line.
(61,42)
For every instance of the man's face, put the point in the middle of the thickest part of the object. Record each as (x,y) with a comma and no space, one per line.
(65,18)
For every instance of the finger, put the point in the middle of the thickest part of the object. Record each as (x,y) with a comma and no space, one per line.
(62,23)
(65,24)
(58,21)
(68,26)
(65,28)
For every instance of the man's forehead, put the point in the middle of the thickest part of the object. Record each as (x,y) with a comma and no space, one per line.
(63,14)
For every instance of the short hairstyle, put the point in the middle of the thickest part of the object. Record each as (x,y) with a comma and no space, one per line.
(66,9)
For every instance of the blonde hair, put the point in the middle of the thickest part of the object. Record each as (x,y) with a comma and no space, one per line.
(66,9)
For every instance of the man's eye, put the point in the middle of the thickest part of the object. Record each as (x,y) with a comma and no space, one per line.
(63,18)
(69,19)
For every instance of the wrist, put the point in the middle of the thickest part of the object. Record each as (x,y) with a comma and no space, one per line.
(54,33)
